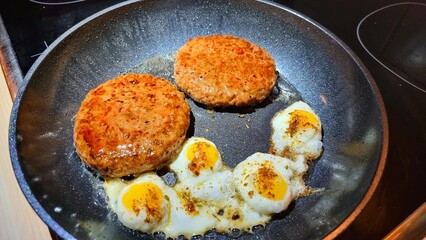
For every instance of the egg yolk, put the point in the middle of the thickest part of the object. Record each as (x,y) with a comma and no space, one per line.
(202,156)
(300,119)
(269,184)
(144,197)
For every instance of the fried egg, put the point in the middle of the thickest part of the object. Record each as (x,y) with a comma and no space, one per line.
(202,180)
(296,130)
(198,159)
(268,183)
(142,204)
(201,172)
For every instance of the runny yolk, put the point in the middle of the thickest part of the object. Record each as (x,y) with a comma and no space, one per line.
(300,119)
(144,197)
(270,184)
(201,156)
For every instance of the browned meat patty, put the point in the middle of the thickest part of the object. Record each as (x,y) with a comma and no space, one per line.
(131,124)
(224,70)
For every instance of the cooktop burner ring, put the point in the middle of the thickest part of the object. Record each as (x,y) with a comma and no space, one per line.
(400,74)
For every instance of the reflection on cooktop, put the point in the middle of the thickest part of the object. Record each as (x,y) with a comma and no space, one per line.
(395,37)
(47,2)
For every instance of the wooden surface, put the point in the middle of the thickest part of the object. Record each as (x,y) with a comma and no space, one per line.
(17,219)
(414,227)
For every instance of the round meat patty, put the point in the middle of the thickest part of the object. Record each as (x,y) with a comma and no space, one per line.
(131,124)
(224,71)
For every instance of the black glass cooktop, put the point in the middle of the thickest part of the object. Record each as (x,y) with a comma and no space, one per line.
(33,25)
(389,36)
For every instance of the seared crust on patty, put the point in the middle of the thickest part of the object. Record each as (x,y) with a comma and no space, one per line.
(224,70)
(131,124)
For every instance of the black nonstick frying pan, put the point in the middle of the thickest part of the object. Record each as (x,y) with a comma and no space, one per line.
(142,36)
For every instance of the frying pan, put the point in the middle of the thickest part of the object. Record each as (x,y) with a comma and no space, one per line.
(313,65)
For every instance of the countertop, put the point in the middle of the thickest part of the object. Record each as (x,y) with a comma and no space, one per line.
(17,219)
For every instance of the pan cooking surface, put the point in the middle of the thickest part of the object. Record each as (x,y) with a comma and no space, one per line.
(141,37)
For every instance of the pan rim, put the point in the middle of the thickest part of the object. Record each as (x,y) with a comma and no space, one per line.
(58,229)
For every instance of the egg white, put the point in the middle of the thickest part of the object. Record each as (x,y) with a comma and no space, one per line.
(235,213)
(187,223)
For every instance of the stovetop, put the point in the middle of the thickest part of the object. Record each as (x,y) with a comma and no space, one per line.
(389,37)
